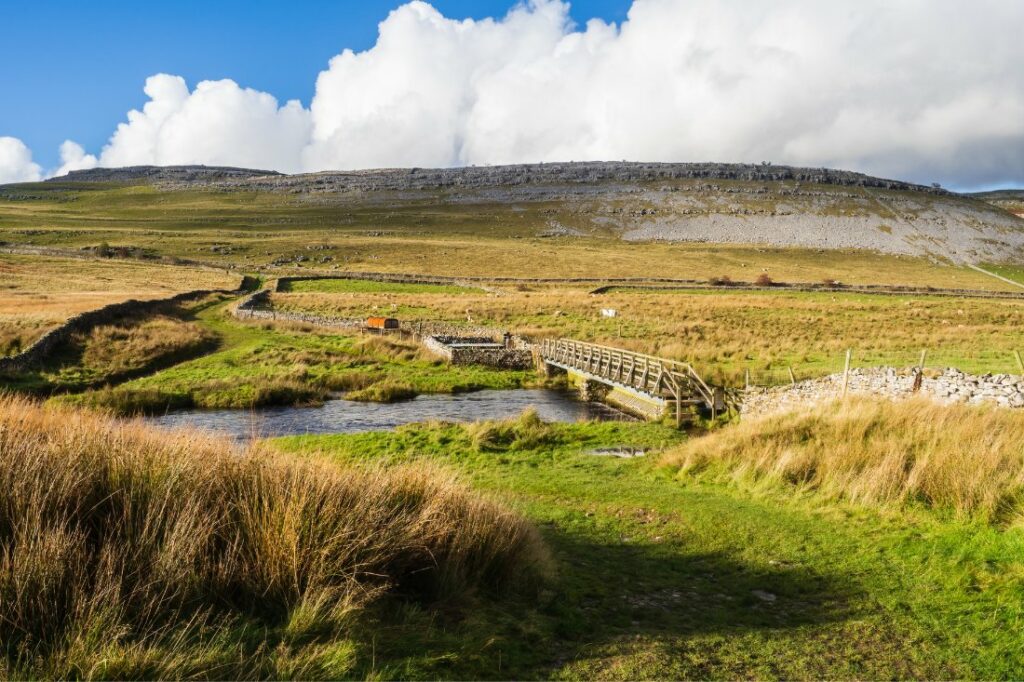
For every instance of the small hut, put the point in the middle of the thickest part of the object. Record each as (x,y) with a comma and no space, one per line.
(381,323)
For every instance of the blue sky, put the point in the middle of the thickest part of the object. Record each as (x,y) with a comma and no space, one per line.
(921,90)
(71,69)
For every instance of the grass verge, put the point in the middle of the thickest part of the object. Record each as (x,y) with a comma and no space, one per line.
(965,460)
(127,552)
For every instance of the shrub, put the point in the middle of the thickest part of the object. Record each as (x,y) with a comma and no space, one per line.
(131,552)
(763,280)
(969,460)
(722,281)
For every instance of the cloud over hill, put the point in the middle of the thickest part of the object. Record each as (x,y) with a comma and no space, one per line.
(926,91)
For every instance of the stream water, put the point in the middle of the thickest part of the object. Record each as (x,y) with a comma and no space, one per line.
(348,416)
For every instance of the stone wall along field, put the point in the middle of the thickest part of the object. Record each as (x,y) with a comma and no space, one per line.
(83,322)
(950,386)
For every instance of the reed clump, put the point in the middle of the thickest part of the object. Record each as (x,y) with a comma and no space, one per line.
(962,459)
(132,552)
(525,432)
(384,391)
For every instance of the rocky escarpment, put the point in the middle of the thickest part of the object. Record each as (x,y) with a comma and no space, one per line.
(163,174)
(583,173)
(778,206)
(950,386)
(1010,200)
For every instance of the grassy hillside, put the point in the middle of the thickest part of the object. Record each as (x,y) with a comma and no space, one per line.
(39,292)
(1011,200)
(535,231)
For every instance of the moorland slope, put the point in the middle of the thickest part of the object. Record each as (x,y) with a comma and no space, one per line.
(779,206)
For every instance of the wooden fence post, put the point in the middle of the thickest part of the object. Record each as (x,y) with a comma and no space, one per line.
(846,371)
(919,375)
(792,377)
(1020,362)
(747,380)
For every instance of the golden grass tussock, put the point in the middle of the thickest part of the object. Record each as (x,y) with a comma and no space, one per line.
(966,460)
(386,391)
(114,349)
(121,543)
(524,432)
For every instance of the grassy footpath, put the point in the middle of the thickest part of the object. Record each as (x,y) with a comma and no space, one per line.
(266,364)
(666,577)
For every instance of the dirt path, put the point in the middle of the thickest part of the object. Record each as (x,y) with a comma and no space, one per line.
(999,277)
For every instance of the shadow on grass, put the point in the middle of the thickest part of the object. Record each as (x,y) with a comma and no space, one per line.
(604,594)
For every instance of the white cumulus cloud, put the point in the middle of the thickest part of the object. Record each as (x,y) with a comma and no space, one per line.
(16,163)
(217,123)
(917,89)
(73,157)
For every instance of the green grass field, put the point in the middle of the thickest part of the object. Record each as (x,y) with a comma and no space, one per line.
(833,545)
(726,333)
(660,577)
(1013,272)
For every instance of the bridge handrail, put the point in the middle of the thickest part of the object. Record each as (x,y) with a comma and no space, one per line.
(666,361)
(674,366)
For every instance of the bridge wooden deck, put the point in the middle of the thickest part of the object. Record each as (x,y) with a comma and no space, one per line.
(672,381)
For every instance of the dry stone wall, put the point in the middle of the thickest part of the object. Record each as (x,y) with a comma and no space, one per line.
(258,306)
(949,386)
(83,322)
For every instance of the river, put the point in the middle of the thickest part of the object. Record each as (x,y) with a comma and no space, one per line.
(348,416)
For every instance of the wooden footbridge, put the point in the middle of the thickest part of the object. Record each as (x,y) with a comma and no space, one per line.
(645,383)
